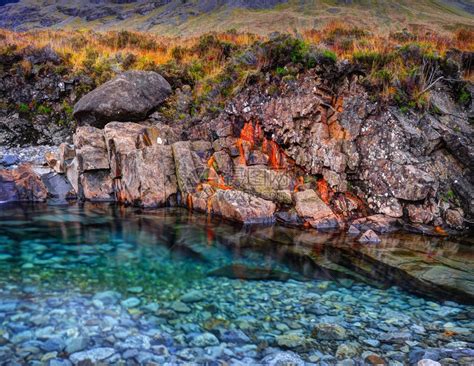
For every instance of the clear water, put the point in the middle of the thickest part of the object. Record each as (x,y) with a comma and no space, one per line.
(251,295)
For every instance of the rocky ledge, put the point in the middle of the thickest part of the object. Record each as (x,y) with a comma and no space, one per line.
(317,154)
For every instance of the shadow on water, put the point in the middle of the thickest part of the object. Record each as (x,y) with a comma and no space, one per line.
(94,244)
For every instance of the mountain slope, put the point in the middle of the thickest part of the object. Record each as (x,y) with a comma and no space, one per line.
(189,17)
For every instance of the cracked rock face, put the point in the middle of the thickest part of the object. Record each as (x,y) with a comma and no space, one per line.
(318,149)
(407,166)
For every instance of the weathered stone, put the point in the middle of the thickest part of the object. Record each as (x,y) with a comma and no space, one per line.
(379,223)
(94,355)
(347,350)
(374,360)
(283,358)
(405,182)
(257,157)
(454,219)
(21,184)
(91,151)
(224,162)
(186,172)
(58,187)
(130,96)
(148,177)
(290,340)
(419,214)
(200,199)
(327,331)
(66,154)
(337,181)
(72,174)
(123,138)
(353,231)
(312,209)
(428,362)
(269,184)
(96,186)
(52,159)
(58,161)
(390,207)
(369,237)
(242,207)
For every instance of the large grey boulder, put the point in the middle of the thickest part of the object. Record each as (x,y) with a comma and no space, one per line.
(131,96)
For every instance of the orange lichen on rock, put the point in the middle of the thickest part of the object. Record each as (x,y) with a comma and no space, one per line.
(439,230)
(276,156)
(324,190)
(189,201)
(216,180)
(299,184)
(338,104)
(240,146)
(248,133)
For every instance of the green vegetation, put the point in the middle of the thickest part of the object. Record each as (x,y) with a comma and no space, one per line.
(400,68)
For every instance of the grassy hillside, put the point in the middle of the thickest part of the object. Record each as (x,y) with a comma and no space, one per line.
(194,17)
(398,67)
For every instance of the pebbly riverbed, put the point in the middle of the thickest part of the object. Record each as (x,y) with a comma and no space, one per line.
(100,284)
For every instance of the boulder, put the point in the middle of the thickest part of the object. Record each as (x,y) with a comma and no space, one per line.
(96,186)
(312,209)
(21,184)
(122,138)
(58,186)
(91,150)
(148,177)
(242,207)
(131,96)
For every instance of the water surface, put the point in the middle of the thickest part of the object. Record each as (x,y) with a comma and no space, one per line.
(125,286)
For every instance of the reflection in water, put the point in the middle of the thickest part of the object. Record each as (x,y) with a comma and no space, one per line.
(96,271)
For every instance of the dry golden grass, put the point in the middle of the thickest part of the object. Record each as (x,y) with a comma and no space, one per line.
(205,59)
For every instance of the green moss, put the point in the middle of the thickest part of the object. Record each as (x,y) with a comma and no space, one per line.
(464,96)
(43,109)
(282,71)
(330,55)
(23,108)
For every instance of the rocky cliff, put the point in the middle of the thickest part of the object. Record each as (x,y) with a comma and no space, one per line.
(316,151)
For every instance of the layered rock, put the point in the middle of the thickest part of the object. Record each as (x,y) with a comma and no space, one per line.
(148,177)
(123,138)
(91,150)
(131,96)
(21,184)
